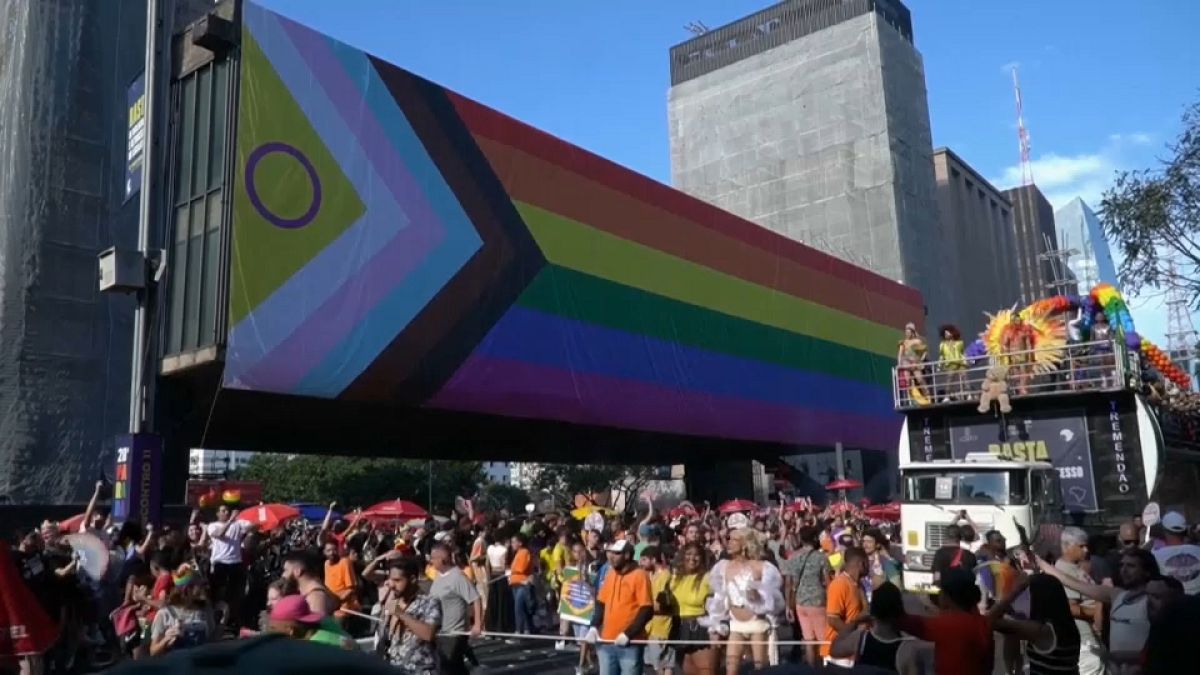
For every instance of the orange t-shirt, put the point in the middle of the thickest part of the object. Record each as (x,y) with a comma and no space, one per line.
(339,579)
(623,596)
(522,568)
(845,600)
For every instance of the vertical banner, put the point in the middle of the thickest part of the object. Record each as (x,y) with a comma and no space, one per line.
(136,139)
(137,484)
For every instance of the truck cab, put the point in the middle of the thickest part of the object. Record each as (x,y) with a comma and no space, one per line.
(995,494)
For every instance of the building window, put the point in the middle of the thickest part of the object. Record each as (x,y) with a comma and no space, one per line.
(199,125)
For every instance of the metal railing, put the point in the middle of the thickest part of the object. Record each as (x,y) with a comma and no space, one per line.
(1104,365)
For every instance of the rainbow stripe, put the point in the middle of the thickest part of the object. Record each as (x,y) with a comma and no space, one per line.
(474,263)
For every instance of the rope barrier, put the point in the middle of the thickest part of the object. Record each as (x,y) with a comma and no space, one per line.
(494,635)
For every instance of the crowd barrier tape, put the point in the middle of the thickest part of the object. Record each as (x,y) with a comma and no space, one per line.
(570,638)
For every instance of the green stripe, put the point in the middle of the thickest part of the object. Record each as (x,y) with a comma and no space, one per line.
(574,295)
(581,247)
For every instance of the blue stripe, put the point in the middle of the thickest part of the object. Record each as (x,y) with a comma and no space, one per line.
(527,335)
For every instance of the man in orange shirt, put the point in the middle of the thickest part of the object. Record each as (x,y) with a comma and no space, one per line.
(623,608)
(341,580)
(844,599)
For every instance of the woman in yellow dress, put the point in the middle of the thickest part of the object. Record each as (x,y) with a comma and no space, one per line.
(952,363)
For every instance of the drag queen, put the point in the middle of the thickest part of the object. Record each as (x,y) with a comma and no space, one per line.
(747,599)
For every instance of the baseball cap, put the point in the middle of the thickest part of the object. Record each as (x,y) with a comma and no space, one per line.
(618,546)
(294,608)
(1174,522)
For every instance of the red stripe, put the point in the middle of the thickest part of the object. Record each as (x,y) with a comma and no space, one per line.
(566,193)
(484,121)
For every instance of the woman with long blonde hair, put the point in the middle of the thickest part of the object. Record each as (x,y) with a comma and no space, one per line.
(747,599)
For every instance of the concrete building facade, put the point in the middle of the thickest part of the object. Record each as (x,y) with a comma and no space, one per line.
(977,222)
(810,118)
(1035,236)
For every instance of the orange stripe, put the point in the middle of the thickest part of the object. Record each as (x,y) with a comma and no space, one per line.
(535,181)
(485,122)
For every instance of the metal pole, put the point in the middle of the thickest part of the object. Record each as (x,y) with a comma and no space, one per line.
(137,391)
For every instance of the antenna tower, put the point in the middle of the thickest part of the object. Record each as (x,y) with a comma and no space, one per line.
(1022,134)
(1181,331)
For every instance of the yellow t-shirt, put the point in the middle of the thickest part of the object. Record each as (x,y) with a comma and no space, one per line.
(691,596)
(951,353)
(659,627)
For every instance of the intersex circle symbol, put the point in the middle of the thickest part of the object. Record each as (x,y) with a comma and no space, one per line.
(252,191)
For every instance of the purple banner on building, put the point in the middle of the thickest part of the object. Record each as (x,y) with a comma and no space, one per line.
(137,482)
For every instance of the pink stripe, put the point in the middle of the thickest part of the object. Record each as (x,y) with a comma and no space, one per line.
(517,389)
(286,365)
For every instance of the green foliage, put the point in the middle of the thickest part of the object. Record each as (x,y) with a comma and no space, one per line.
(1153,218)
(562,482)
(352,481)
(495,497)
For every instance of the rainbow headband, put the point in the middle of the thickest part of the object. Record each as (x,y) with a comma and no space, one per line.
(185,579)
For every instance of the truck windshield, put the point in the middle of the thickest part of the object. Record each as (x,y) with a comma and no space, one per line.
(966,487)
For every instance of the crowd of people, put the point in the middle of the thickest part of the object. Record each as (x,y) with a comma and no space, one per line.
(693,591)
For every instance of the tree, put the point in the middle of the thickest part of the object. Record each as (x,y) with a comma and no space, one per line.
(1153,217)
(495,497)
(562,482)
(353,481)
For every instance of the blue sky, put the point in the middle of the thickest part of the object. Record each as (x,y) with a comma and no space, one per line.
(1104,82)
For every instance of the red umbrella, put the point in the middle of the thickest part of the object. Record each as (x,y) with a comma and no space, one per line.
(71,525)
(269,516)
(25,629)
(737,506)
(397,509)
(889,511)
(844,484)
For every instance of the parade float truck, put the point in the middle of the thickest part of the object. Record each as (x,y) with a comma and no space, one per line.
(1064,435)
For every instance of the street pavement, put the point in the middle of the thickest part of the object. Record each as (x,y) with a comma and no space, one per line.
(535,656)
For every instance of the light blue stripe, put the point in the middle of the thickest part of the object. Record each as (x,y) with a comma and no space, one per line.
(388,319)
(397,128)
(285,310)
(377,330)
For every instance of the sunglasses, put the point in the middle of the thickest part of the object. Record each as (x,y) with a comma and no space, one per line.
(1129,542)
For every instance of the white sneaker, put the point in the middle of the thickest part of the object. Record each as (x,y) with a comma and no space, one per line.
(560,646)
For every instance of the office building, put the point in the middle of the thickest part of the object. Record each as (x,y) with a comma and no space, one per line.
(810,118)
(1038,272)
(499,473)
(216,463)
(1080,230)
(977,222)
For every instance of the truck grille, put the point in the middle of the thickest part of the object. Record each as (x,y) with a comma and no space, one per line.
(927,561)
(935,535)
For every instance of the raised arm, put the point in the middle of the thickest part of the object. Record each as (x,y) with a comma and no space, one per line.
(1104,594)
(327,523)
(91,508)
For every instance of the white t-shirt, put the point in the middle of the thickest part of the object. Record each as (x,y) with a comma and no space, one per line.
(227,549)
(1076,572)
(497,555)
(1183,563)
(1129,624)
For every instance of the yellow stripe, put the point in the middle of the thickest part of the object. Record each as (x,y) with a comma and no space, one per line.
(581,247)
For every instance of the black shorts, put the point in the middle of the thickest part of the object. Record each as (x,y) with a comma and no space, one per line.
(228,582)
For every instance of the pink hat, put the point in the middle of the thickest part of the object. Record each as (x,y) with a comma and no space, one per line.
(295,608)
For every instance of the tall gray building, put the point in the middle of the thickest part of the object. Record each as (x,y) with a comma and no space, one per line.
(1035,236)
(65,69)
(810,118)
(977,221)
